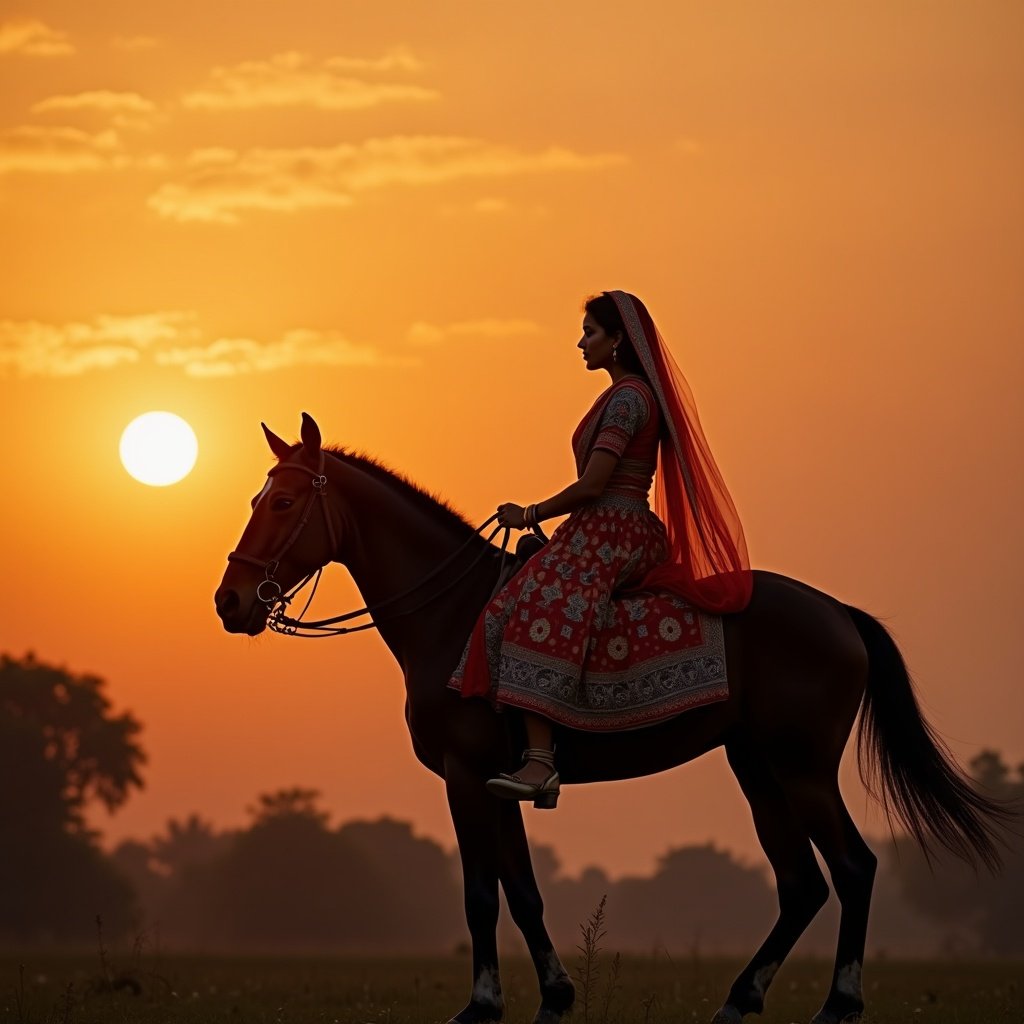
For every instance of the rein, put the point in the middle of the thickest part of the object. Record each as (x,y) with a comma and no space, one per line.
(270,593)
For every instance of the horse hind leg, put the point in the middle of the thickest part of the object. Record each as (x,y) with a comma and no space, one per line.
(801,886)
(527,909)
(819,805)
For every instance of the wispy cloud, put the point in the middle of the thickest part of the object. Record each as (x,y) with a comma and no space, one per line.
(61,150)
(100,99)
(127,111)
(297,80)
(229,357)
(34,348)
(426,334)
(220,183)
(175,339)
(33,38)
(398,59)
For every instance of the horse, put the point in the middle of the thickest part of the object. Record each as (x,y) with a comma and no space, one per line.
(801,665)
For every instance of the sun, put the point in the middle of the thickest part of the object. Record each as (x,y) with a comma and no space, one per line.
(158,448)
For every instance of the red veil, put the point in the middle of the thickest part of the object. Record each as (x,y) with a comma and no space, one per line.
(708,563)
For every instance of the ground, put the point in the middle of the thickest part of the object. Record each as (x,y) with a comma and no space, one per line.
(162,989)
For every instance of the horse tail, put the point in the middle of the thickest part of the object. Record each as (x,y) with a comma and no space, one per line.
(907,767)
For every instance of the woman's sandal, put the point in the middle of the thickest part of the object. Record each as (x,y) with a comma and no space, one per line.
(543,794)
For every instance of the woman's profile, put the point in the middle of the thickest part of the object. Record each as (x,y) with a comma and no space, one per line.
(599,629)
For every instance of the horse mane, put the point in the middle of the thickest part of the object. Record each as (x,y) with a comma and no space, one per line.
(431,505)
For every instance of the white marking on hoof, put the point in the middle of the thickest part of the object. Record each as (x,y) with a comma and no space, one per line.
(763,978)
(848,981)
(728,1014)
(487,987)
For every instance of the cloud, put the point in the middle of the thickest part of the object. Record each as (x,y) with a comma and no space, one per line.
(40,150)
(398,59)
(299,347)
(425,334)
(33,38)
(296,80)
(127,111)
(102,100)
(33,348)
(174,339)
(220,183)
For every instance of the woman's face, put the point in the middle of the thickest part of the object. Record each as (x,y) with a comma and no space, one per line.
(596,346)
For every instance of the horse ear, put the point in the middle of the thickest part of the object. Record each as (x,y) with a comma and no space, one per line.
(310,434)
(282,449)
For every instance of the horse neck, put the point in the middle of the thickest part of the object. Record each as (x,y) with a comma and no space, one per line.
(389,544)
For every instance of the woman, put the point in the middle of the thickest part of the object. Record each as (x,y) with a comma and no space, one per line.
(599,629)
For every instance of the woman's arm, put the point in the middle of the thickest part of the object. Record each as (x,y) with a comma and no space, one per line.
(590,485)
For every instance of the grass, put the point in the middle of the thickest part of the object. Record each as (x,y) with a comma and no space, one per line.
(348,990)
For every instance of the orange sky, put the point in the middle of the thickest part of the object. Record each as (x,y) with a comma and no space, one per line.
(390,219)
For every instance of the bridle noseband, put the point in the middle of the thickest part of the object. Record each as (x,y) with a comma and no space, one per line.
(269,591)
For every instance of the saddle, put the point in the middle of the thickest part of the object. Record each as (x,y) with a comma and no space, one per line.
(526,547)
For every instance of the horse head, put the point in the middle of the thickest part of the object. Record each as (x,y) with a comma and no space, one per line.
(288,537)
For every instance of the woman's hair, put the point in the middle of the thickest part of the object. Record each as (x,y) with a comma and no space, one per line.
(604,310)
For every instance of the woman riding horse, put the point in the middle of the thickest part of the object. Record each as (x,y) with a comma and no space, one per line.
(597,630)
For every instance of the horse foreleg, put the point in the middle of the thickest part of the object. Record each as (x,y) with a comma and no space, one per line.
(800,883)
(557,991)
(475,816)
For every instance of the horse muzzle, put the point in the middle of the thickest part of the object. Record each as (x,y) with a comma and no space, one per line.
(235,616)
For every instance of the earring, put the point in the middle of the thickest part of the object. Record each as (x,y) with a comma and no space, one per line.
(615,354)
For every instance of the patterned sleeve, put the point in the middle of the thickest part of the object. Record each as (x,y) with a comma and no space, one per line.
(627,411)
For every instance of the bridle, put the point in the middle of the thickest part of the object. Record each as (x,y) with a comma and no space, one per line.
(270,593)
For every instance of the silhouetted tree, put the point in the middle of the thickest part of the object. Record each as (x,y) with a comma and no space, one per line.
(411,899)
(60,747)
(186,844)
(290,882)
(171,875)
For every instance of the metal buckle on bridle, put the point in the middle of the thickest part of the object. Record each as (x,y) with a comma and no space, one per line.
(273,599)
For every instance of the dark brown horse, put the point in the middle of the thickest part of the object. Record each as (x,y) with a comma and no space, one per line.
(801,664)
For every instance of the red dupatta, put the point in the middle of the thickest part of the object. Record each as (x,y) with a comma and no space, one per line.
(708,564)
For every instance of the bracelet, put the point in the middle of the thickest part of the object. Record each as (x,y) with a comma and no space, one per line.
(530,515)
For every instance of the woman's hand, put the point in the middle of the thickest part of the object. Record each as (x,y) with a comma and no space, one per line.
(511,514)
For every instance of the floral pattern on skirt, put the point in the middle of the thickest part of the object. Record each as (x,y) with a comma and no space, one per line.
(568,639)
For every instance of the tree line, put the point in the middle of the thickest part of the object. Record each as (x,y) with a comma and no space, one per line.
(291,881)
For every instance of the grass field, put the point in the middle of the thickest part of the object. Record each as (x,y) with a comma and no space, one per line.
(281,990)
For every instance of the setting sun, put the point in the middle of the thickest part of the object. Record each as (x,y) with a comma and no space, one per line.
(158,448)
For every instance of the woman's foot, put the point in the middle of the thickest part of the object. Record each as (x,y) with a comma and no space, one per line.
(533,772)
(536,780)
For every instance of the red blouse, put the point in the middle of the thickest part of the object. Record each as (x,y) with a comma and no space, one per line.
(628,423)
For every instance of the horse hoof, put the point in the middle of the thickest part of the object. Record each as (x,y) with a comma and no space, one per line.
(728,1014)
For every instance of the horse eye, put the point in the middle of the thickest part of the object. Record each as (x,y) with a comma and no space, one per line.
(282,504)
